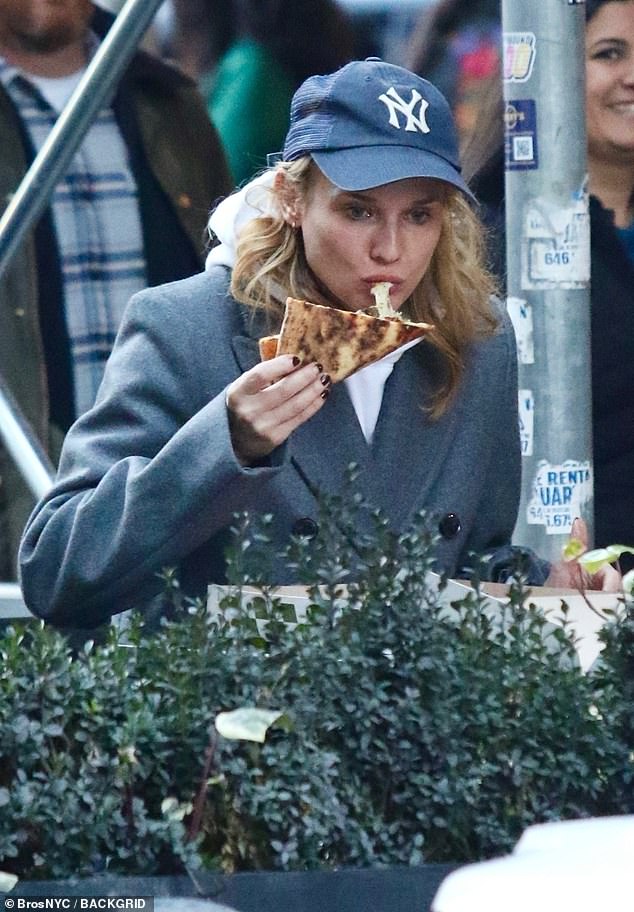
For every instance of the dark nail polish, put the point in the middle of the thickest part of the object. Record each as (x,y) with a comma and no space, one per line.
(325,380)
(320,368)
(296,361)
(325,394)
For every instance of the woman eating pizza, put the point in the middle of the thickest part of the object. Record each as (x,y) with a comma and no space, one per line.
(191,426)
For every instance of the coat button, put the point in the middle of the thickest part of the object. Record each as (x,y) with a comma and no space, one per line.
(449,525)
(305,527)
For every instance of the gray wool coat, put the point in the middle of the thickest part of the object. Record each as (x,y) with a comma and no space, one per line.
(148,477)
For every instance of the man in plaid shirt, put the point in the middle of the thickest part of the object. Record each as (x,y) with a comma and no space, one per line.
(130,211)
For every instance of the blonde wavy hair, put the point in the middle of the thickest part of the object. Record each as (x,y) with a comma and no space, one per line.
(455,293)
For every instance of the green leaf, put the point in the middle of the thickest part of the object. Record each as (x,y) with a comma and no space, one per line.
(246,724)
(628,583)
(171,809)
(595,560)
(573,549)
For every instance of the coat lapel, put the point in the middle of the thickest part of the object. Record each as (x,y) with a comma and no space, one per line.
(328,443)
(246,352)
(409,448)
(253,324)
(398,471)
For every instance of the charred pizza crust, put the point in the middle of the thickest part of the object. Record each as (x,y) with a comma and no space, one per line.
(342,341)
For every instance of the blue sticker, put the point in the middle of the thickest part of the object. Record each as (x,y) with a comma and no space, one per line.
(520,135)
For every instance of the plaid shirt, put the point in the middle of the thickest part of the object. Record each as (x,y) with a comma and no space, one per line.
(98,227)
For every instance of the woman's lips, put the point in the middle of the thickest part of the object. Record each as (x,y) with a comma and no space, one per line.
(395,285)
(374,280)
(623,107)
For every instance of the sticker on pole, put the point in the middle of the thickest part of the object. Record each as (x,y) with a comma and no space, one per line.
(519,49)
(556,244)
(559,494)
(521,314)
(520,135)
(526,409)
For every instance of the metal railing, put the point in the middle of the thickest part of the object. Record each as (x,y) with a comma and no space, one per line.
(96,87)
(23,446)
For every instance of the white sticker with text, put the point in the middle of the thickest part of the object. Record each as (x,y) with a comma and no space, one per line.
(526,404)
(556,245)
(521,314)
(560,493)
(519,49)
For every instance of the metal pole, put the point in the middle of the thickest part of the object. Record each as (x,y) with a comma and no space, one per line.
(23,446)
(548,262)
(97,83)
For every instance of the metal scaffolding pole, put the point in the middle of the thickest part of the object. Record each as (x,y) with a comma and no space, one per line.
(548,262)
(23,446)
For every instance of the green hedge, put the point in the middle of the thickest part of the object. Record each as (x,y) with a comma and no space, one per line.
(410,733)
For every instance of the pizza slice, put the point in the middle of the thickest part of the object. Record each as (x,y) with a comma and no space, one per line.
(343,341)
(268,347)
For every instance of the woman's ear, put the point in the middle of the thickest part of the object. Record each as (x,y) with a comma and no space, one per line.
(289,200)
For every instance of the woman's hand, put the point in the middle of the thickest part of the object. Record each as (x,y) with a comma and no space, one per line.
(269,401)
(570,574)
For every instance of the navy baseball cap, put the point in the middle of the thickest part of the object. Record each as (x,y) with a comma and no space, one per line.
(372,123)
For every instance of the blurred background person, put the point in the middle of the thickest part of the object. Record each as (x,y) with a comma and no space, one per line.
(609,57)
(276,45)
(194,33)
(457,46)
(130,211)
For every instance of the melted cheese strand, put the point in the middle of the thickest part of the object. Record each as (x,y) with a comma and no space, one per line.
(381,293)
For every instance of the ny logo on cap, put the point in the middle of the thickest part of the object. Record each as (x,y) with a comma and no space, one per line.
(394,103)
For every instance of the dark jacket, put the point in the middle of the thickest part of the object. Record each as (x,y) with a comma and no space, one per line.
(612,299)
(180,172)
